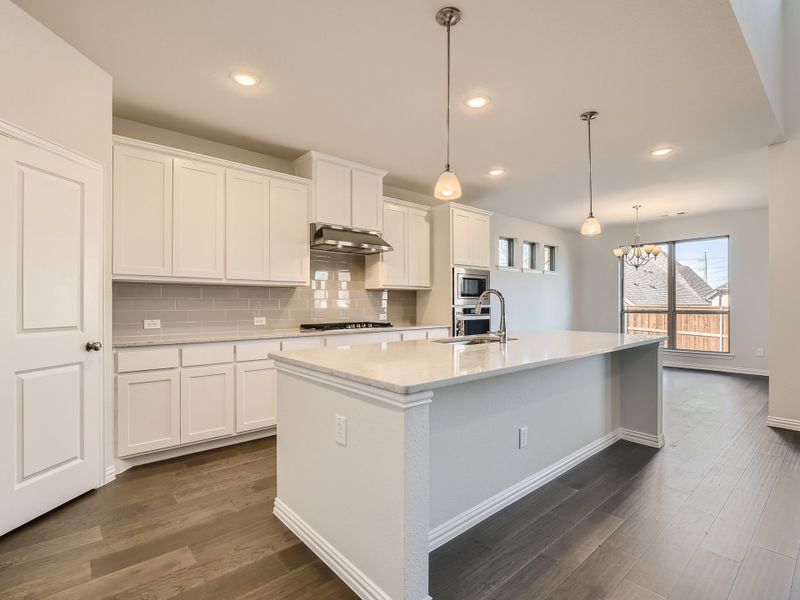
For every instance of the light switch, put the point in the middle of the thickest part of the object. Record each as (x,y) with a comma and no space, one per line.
(341,430)
(259,320)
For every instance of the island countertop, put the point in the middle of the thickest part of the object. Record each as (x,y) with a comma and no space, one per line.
(415,366)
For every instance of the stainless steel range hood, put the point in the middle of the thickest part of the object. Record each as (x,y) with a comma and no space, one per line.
(340,239)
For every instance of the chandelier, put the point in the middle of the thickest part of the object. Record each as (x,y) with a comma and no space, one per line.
(637,255)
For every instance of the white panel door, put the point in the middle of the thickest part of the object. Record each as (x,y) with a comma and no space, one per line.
(142,212)
(256,394)
(50,307)
(367,197)
(461,236)
(481,241)
(148,411)
(198,220)
(247,225)
(288,234)
(419,248)
(395,265)
(332,193)
(207,402)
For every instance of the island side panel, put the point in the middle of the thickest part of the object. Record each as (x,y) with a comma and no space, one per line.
(639,372)
(363,507)
(571,409)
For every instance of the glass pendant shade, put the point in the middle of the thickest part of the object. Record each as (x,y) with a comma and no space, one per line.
(591,226)
(447,186)
(618,252)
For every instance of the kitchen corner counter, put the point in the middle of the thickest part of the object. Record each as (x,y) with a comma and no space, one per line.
(166,340)
(414,366)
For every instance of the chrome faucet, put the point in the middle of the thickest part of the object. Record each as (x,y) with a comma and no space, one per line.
(501,333)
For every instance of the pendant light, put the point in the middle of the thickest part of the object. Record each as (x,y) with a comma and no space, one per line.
(448,186)
(591,226)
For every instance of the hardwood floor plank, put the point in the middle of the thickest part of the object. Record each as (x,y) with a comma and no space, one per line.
(765,575)
(627,590)
(575,546)
(735,525)
(596,576)
(794,594)
(49,547)
(708,576)
(537,579)
(779,529)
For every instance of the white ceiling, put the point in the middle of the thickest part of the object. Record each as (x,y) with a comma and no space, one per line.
(364,79)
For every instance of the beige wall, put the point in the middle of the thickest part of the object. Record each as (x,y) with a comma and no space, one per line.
(598,299)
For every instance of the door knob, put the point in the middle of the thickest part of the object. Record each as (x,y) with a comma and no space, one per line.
(93,346)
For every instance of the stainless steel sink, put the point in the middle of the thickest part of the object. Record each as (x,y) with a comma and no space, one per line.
(472,340)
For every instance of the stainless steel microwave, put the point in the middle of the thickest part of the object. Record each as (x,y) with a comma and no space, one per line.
(468,285)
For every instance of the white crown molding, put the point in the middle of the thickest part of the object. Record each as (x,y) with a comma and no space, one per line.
(780,422)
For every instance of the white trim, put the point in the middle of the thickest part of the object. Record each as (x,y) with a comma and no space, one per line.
(723,355)
(638,437)
(125,463)
(717,368)
(472,209)
(793,424)
(532,271)
(366,392)
(339,564)
(441,534)
(406,203)
(143,145)
(110,474)
(508,269)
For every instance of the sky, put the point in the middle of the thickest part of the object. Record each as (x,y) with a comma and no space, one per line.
(708,258)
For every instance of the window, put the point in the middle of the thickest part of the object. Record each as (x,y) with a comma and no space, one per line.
(549,258)
(683,294)
(505,256)
(528,255)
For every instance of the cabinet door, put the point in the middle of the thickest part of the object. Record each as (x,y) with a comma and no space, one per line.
(481,241)
(367,200)
(395,265)
(207,402)
(288,233)
(461,235)
(332,193)
(148,411)
(247,226)
(142,212)
(198,220)
(255,395)
(419,248)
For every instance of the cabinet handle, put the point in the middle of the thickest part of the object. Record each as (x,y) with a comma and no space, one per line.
(93,346)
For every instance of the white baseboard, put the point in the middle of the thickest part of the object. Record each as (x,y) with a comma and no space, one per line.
(717,368)
(347,571)
(646,439)
(110,474)
(793,424)
(441,534)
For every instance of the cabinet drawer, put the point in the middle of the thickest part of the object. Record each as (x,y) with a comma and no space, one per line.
(301,343)
(438,333)
(206,354)
(415,334)
(355,339)
(146,360)
(256,350)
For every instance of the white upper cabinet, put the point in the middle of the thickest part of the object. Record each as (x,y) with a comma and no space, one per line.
(181,219)
(142,212)
(342,192)
(407,228)
(247,226)
(198,231)
(470,237)
(288,234)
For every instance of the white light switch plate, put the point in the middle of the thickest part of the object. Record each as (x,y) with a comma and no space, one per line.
(523,436)
(259,320)
(341,430)
(152,323)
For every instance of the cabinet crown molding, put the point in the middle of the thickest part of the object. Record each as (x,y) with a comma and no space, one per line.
(353,165)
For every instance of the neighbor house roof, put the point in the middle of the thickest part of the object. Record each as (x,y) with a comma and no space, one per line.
(647,286)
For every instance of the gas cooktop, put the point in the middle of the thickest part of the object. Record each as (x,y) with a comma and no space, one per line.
(351,325)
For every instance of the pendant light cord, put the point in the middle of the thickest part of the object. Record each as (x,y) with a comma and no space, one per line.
(447,129)
(589,127)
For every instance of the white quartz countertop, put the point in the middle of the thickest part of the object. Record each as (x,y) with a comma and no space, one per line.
(415,366)
(165,340)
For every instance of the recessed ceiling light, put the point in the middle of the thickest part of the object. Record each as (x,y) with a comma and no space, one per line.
(477,101)
(244,78)
(496,172)
(660,151)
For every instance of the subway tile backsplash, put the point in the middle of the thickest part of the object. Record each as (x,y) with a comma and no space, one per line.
(337,293)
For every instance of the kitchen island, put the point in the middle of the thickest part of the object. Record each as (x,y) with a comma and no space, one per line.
(387,451)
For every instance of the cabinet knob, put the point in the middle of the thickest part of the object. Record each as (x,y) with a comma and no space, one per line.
(93,346)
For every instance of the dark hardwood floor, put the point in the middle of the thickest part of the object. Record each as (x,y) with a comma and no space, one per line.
(715,514)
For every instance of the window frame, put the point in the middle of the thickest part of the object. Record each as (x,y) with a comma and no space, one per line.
(512,253)
(672,311)
(534,246)
(553,258)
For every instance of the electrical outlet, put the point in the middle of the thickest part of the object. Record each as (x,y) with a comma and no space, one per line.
(523,436)
(341,430)
(760,352)
(152,323)
(259,320)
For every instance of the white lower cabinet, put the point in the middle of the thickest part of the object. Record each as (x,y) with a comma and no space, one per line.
(148,411)
(207,402)
(256,395)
